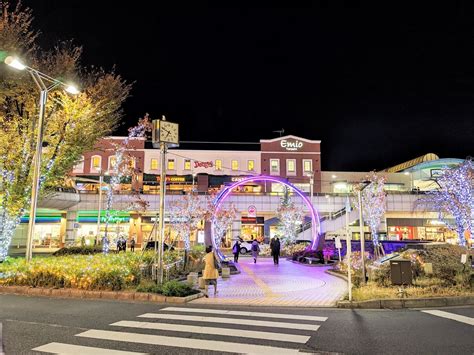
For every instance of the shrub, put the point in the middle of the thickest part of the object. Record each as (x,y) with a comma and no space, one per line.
(83,250)
(151,287)
(177,289)
(381,274)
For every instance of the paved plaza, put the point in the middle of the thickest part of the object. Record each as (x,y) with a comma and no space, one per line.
(288,284)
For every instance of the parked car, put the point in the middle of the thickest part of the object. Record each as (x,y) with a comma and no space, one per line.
(246,246)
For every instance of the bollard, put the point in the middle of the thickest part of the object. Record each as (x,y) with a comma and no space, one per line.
(202,283)
(225,272)
(192,278)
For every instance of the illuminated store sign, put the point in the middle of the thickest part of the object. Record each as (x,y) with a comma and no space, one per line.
(173,178)
(203,164)
(291,145)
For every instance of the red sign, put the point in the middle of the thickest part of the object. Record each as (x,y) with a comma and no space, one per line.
(203,164)
(252,210)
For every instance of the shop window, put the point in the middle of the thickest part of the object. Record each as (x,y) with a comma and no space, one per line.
(251,165)
(235,165)
(79,167)
(171,165)
(307,165)
(187,164)
(96,162)
(132,163)
(291,166)
(218,164)
(154,164)
(274,166)
(112,162)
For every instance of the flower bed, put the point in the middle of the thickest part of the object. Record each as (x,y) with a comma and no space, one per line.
(88,272)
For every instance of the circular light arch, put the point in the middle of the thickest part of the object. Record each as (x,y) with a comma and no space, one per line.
(222,196)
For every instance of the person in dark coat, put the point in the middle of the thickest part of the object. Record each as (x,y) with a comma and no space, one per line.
(132,245)
(255,250)
(236,251)
(275,248)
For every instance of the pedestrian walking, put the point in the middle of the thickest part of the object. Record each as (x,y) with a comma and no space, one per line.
(211,270)
(124,244)
(119,245)
(255,250)
(132,245)
(236,250)
(275,248)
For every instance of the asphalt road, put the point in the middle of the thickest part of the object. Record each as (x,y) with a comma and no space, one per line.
(82,326)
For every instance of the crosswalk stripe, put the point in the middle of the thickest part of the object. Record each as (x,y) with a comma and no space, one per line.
(249,322)
(185,342)
(247,314)
(61,348)
(453,316)
(302,339)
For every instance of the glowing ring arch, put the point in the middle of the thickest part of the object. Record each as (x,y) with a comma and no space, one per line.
(228,190)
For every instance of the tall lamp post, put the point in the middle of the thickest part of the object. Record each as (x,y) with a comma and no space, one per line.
(45,83)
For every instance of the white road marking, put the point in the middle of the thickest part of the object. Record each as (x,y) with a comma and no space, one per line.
(60,348)
(249,322)
(185,342)
(302,339)
(247,314)
(453,316)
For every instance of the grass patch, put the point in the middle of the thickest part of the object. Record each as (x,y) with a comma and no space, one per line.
(424,289)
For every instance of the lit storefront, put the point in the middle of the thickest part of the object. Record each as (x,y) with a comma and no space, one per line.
(252,227)
(419,229)
(119,225)
(50,229)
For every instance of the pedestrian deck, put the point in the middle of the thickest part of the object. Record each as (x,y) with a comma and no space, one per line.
(287,284)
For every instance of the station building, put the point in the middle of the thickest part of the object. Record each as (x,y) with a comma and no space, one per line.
(73,215)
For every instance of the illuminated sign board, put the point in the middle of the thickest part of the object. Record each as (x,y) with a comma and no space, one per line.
(203,164)
(173,178)
(293,145)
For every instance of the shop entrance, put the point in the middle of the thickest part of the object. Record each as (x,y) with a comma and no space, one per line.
(224,194)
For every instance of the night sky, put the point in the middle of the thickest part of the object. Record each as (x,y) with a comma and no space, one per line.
(377,84)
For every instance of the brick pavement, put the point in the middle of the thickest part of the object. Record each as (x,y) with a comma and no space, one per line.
(288,284)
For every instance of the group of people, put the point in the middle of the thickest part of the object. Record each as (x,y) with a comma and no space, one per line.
(122,244)
(275,246)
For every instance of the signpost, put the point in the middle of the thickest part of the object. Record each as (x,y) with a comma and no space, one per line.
(337,242)
(349,250)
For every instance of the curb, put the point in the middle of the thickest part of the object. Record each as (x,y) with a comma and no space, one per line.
(336,274)
(397,303)
(86,294)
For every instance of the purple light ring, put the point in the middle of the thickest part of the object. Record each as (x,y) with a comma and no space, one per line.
(228,190)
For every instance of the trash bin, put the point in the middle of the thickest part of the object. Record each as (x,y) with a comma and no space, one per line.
(400,271)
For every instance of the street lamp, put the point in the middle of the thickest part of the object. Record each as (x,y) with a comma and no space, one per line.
(194,177)
(45,84)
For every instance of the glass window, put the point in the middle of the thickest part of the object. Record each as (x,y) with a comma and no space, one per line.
(291,165)
(187,164)
(251,165)
(79,167)
(131,163)
(307,166)
(154,164)
(235,165)
(171,164)
(218,164)
(112,162)
(96,162)
(274,165)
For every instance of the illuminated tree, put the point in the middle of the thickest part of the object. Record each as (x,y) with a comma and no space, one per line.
(373,198)
(185,215)
(123,167)
(72,123)
(221,218)
(291,217)
(454,198)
